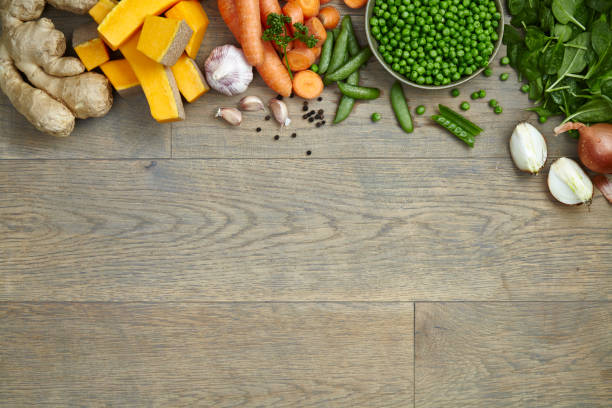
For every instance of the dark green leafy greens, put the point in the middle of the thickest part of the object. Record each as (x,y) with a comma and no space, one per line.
(563,48)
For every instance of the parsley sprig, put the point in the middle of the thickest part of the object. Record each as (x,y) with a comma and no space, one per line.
(277,32)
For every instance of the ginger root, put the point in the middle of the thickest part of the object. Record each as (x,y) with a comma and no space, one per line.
(61,90)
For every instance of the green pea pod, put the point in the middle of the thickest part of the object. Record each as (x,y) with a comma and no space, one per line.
(455,128)
(345,106)
(400,107)
(358,92)
(353,44)
(352,65)
(459,119)
(340,49)
(326,53)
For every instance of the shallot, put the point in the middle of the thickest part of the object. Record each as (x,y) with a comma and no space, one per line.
(594,145)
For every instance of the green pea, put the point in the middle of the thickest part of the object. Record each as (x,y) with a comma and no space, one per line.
(505,61)
(464,106)
(376,117)
(455,93)
(498,109)
(482,93)
(474,95)
(525,88)
(420,110)
(504,76)
(493,103)
(542,119)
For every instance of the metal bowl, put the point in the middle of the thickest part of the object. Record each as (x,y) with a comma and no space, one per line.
(374,47)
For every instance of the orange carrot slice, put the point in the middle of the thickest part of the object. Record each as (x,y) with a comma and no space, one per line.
(355,4)
(310,8)
(329,16)
(301,58)
(307,84)
(294,12)
(315,27)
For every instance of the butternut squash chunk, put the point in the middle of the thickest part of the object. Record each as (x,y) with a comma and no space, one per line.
(127,17)
(121,76)
(101,9)
(156,81)
(88,46)
(164,39)
(189,78)
(195,16)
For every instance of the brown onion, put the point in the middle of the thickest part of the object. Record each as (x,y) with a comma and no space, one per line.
(594,145)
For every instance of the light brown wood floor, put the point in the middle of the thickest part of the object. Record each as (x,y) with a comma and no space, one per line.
(196,265)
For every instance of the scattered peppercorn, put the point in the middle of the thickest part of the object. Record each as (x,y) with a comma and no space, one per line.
(482,93)
(455,93)
(305,108)
(322,123)
(319,99)
(505,61)
(267,117)
(420,110)
(525,88)
(542,119)
(312,112)
(465,106)
(487,72)
(376,117)
(279,97)
(498,109)
(258,129)
(276,137)
(294,135)
(504,76)
(308,153)
(318,124)
(493,103)
(311,120)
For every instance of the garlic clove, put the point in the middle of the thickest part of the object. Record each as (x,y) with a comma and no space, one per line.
(231,115)
(528,148)
(251,104)
(280,112)
(568,183)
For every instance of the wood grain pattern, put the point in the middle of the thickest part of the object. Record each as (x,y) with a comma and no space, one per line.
(207,355)
(513,355)
(295,230)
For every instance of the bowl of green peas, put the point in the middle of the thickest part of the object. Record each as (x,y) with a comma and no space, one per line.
(434,44)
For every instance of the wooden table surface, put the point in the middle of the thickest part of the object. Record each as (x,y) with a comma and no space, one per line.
(194,264)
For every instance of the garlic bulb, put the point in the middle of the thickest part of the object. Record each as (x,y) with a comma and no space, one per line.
(227,70)
(528,148)
(568,183)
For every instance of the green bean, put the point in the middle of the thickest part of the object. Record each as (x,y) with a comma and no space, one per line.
(353,45)
(358,92)
(455,129)
(352,65)
(400,107)
(345,106)
(459,119)
(340,49)
(326,53)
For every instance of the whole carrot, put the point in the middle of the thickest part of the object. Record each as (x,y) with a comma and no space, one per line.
(274,72)
(268,7)
(229,14)
(250,30)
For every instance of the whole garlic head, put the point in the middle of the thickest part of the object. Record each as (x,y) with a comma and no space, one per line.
(528,148)
(227,70)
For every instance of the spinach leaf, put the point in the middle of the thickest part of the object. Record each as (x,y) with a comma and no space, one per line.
(601,35)
(601,84)
(536,89)
(528,65)
(600,5)
(514,52)
(535,38)
(552,58)
(511,35)
(516,6)
(563,32)
(573,57)
(596,110)
(547,20)
(564,11)
(604,64)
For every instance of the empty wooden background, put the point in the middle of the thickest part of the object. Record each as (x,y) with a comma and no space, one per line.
(193,264)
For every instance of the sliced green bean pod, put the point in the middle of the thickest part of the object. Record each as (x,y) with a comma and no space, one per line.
(456,129)
(460,120)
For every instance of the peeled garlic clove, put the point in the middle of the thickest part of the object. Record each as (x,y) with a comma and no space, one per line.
(568,183)
(280,111)
(251,104)
(528,148)
(231,115)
